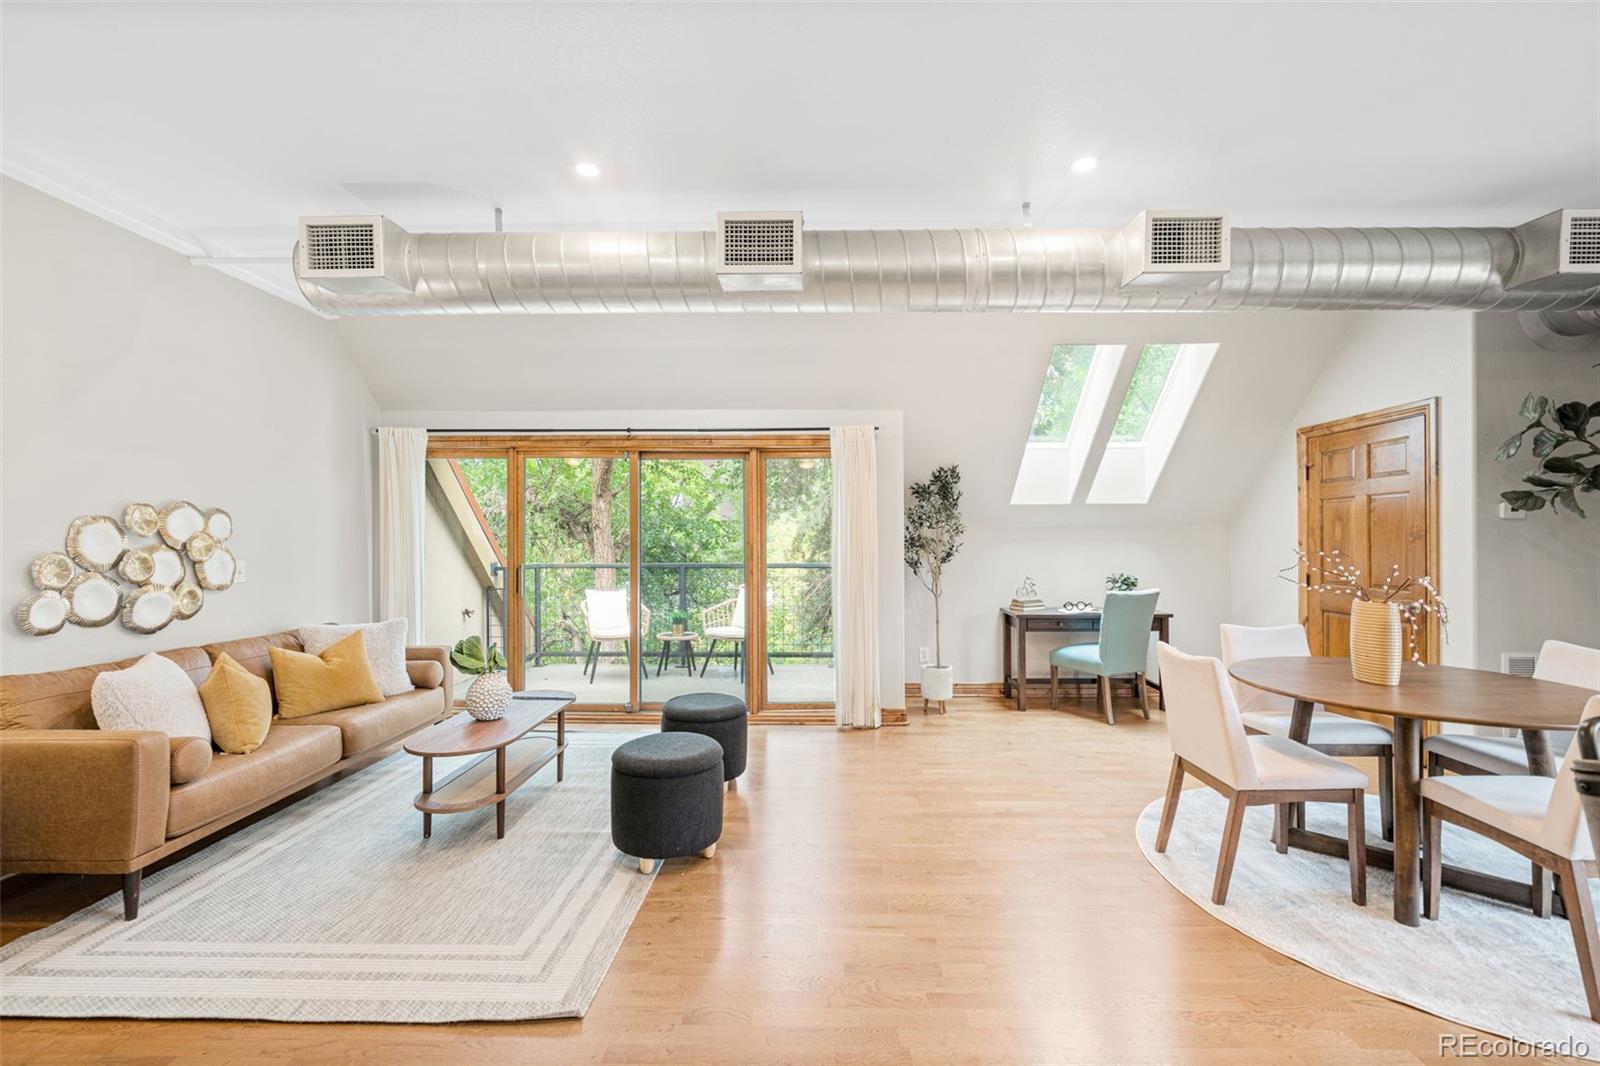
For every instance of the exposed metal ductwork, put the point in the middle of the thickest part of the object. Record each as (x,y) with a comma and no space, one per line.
(962,270)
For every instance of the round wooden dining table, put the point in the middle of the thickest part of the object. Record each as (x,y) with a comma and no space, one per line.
(1425,694)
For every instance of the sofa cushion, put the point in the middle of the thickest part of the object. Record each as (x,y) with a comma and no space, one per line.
(339,677)
(255,653)
(238,705)
(59,699)
(236,781)
(375,724)
(191,758)
(153,693)
(425,673)
(385,644)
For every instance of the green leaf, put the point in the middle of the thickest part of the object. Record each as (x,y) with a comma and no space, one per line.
(1533,407)
(1573,417)
(1565,464)
(468,656)
(1522,500)
(1512,446)
(1545,441)
(1542,482)
(1569,499)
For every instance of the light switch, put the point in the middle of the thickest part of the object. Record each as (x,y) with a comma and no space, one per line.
(1507,513)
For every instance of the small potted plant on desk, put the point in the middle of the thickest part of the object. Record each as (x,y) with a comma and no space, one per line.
(489,695)
(933,537)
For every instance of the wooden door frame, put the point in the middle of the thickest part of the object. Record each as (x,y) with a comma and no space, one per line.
(1429,410)
(753,448)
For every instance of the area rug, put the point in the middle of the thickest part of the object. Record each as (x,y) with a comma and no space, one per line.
(1483,964)
(337,909)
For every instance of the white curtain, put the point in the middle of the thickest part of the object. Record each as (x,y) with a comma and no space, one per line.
(402,510)
(855,577)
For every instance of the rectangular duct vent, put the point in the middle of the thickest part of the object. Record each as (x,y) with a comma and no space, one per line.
(352,253)
(341,246)
(1583,240)
(1519,663)
(1175,251)
(1560,252)
(1186,242)
(759,250)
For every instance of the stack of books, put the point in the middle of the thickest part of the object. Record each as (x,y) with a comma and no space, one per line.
(1032,603)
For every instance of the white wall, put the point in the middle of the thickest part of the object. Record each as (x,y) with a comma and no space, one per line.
(130,375)
(1538,578)
(1386,358)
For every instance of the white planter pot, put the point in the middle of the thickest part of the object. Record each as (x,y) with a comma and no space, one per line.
(938,682)
(488,697)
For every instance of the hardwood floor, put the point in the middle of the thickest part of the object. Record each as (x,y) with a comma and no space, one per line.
(966,889)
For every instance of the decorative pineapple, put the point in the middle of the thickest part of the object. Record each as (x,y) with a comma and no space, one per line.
(489,696)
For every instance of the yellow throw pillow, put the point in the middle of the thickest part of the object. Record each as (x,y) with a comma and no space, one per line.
(310,684)
(238,706)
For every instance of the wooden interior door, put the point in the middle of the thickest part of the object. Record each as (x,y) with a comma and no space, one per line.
(1369,491)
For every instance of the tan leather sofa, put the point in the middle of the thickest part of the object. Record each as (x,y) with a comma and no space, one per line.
(78,799)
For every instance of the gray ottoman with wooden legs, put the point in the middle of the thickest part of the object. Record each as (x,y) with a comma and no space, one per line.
(666,797)
(721,717)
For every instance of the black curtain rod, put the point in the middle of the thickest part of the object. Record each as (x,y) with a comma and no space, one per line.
(613,431)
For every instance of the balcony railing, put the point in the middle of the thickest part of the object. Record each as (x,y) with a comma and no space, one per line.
(799,612)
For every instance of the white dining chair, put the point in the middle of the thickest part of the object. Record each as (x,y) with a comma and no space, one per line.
(1540,818)
(1464,753)
(1331,733)
(1209,741)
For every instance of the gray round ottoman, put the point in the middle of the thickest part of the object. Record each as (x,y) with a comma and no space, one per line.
(712,714)
(666,797)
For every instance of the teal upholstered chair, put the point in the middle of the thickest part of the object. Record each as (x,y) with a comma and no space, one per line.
(1123,650)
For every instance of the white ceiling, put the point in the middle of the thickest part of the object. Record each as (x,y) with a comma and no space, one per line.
(211,127)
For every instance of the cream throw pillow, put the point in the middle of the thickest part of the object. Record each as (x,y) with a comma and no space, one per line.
(386,649)
(153,693)
(332,681)
(238,705)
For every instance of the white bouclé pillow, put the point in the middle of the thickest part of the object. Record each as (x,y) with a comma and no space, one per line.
(386,650)
(153,693)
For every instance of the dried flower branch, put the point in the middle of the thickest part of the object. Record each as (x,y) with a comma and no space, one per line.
(1331,574)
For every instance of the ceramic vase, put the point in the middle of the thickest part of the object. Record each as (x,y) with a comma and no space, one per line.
(1375,641)
(489,696)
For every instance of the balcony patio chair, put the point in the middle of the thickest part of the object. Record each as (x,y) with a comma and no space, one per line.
(605,617)
(1209,741)
(1540,818)
(725,622)
(1123,649)
(1331,733)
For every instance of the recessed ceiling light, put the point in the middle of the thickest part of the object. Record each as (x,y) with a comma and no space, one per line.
(586,170)
(1084,165)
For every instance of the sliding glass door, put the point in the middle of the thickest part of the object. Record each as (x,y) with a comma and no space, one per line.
(631,569)
(692,575)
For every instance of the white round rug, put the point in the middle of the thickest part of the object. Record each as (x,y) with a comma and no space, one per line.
(1483,964)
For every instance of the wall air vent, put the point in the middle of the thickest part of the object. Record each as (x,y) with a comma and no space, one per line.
(1560,252)
(759,251)
(352,253)
(1518,663)
(1175,251)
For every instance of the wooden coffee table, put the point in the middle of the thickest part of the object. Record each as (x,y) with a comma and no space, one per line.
(515,757)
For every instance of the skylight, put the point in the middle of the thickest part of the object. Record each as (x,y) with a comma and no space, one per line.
(1068,418)
(1064,378)
(1160,393)
(1145,392)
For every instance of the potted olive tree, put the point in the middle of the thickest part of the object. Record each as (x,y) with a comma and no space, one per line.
(933,537)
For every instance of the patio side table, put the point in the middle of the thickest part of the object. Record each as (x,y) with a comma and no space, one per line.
(671,643)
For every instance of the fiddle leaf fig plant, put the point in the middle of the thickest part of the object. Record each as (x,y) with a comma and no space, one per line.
(1558,478)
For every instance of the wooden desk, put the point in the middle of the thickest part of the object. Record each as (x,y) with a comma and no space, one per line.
(1425,693)
(1054,620)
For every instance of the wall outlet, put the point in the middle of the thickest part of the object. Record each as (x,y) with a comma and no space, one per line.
(924,656)
(239,574)
(1507,513)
